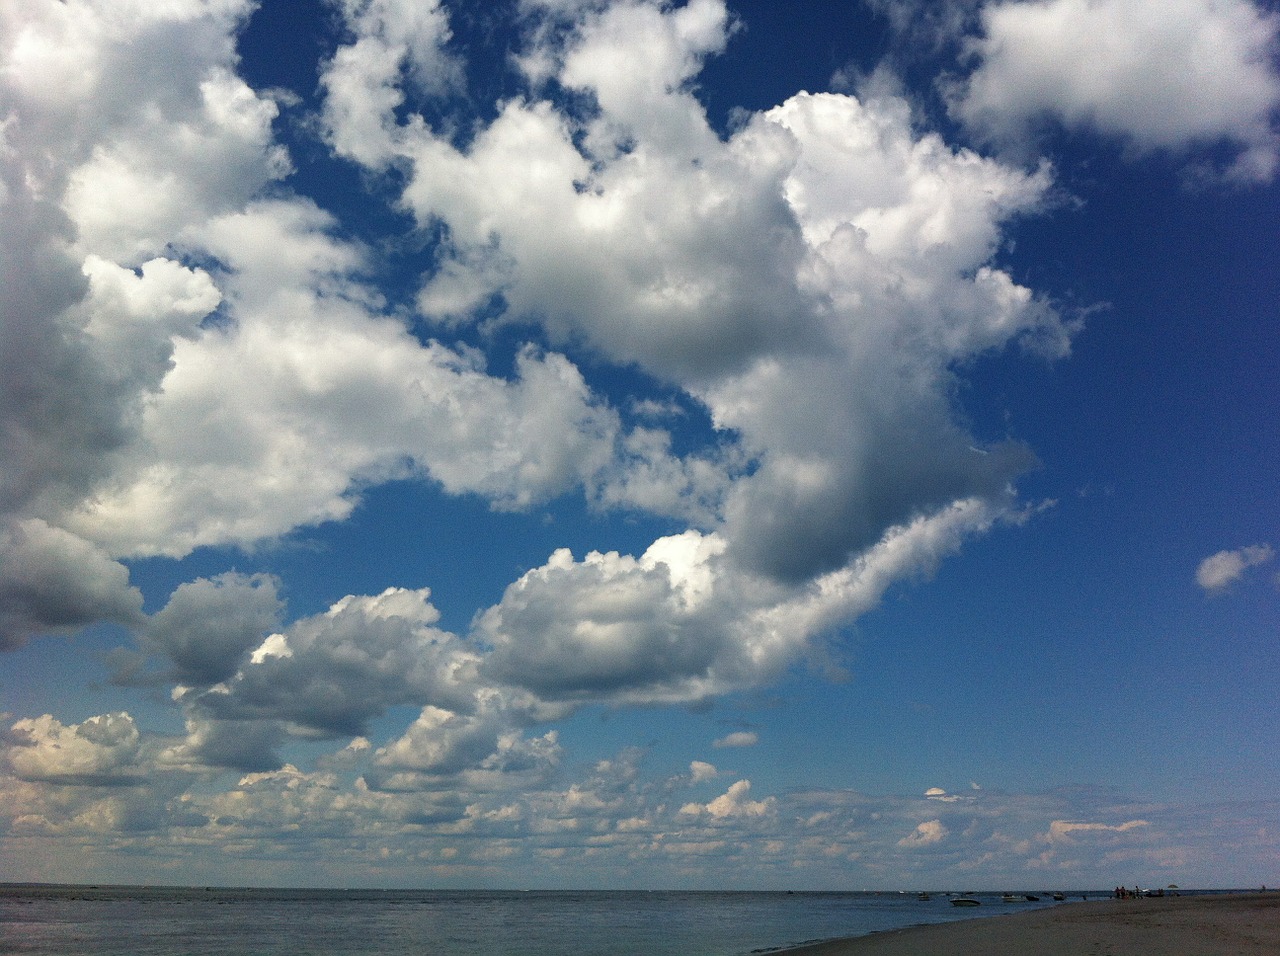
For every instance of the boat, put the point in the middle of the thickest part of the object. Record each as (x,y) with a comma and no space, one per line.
(965,901)
(1010,898)
(1058,897)
(924,896)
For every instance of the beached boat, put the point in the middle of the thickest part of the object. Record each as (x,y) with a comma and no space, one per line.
(965,901)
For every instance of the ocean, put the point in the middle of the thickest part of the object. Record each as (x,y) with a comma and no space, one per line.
(150,921)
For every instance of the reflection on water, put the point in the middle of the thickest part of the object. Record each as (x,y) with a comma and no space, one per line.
(135,921)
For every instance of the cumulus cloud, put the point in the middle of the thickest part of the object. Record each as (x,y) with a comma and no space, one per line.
(734,802)
(88,131)
(131,422)
(395,43)
(330,674)
(700,771)
(83,783)
(274,421)
(806,316)
(809,322)
(54,582)
(611,624)
(209,624)
(1159,74)
(102,750)
(104,162)
(928,833)
(194,356)
(478,748)
(673,626)
(240,744)
(682,624)
(1219,571)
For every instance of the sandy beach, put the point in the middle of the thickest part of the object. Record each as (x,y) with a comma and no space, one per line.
(1235,925)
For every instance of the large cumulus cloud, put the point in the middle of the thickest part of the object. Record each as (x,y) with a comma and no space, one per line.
(190,361)
(1158,74)
(811,279)
(201,357)
(53,581)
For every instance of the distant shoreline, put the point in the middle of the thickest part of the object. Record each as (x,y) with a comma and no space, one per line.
(1212,924)
(1094,895)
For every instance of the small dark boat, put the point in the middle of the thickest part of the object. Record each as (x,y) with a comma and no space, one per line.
(965,901)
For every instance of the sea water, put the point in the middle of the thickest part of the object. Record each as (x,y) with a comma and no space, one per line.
(138,921)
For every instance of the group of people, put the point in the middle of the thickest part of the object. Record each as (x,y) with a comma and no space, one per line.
(1124,893)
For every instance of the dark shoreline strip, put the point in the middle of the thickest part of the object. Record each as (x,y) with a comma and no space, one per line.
(1227,925)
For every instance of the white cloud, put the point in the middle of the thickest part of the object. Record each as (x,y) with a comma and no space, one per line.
(1160,74)
(82,783)
(192,356)
(363,80)
(681,623)
(102,750)
(733,803)
(929,833)
(739,738)
(219,369)
(442,743)
(811,280)
(1066,831)
(700,771)
(613,626)
(333,672)
(187,168)
(267,423)
(122,123)
(1219,571)
(807,320)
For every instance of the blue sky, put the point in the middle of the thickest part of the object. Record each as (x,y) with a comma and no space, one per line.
(621,443)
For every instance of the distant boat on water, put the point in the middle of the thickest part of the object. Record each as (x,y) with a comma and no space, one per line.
(965,901)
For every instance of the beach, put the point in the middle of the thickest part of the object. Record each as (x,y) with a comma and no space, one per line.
(1228,925)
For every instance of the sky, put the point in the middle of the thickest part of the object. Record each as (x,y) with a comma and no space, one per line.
(640,444)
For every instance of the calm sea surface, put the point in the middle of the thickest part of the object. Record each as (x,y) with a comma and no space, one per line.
(133,921)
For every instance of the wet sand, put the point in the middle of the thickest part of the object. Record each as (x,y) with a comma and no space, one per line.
(1240,924)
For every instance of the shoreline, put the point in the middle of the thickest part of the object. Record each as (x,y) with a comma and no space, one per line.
(1229,925)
